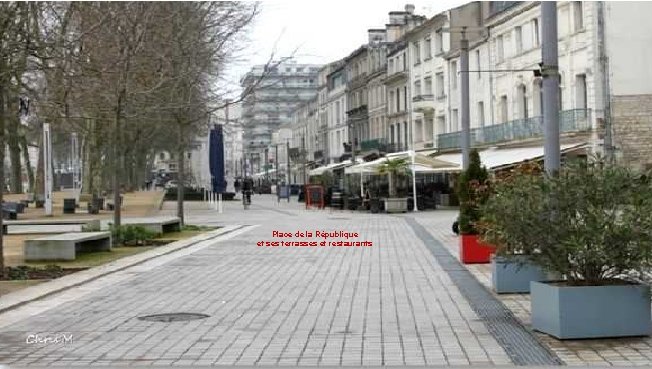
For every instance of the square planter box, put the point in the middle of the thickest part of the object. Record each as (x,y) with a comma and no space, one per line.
(472,251)
(396,205)
(513,275)
(567,312)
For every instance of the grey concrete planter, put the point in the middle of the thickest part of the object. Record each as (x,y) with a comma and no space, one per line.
(396,204)
(568,312)
(513,275)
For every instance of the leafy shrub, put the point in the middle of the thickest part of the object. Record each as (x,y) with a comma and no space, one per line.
(591,223)
(132,235)
(472,192)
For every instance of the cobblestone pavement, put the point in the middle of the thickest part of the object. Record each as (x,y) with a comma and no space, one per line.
(390,304)
(601,352)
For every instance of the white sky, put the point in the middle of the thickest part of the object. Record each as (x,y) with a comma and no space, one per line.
(320,31)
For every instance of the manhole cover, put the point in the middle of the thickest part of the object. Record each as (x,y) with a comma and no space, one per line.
(173,317)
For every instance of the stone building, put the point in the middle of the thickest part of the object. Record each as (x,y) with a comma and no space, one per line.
(605,80)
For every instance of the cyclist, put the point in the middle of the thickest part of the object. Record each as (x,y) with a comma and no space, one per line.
(247,188)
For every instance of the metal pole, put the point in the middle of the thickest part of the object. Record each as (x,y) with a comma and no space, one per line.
(276,163)
(550,72)
(266,162)
(287,154)
(466,115)
(47,160)
(414,181)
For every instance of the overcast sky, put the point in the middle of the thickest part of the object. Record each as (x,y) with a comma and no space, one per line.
(320,31)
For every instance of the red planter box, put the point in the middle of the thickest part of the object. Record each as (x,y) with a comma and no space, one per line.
(472,251)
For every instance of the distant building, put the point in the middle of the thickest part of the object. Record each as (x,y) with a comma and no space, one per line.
(271,94)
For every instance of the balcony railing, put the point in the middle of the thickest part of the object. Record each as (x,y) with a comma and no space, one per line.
(576,120)
(381,145)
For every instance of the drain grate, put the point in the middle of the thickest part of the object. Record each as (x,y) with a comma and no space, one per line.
(519,343)
(173,317)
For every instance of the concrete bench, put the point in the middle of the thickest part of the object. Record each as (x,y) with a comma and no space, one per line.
(18,207)
(156,224)
(9,214)
(86,224)
(66,246)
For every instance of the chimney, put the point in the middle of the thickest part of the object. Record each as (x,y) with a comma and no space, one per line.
(409,8)
(376,36)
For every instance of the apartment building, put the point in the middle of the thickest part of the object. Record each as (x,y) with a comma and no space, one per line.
(605,82)
(271,93)
(336,98)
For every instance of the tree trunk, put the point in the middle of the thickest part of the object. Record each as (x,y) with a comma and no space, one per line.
(16,173)
(2,172)
(28,164)
(181,177)
(117,162)
(392,187)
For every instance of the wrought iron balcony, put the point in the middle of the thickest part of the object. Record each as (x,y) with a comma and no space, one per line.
(381,145)
(575,120)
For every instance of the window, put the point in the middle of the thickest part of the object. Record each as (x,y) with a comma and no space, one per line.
(481,114)
(578,16)
(398,99)
(538,97)
(580,91)
(535,32)
(439,79)
(337,112)
(428,85)
(391,102)
(518,39)
(477,63)
(417,53)
(417,88)
(404,62)
(418,130)
(441,124)
(427,48)
(500,54)
(405,98)
(561,92)
(503,109)
(390,68)
(522,102)
(454,121)
(429,129)
(439,42)
(453,76)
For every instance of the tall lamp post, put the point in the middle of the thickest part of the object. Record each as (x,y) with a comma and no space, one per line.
(550,73)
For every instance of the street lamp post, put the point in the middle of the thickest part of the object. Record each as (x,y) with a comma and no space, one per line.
(550,73)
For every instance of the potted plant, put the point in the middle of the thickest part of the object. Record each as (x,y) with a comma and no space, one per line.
(473,193)
(592,224)
(394,168)
(511,268)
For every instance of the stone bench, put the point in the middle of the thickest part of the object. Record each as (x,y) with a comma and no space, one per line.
(66,246)
(156,224)
(86,224)
(9,214)
(18,207)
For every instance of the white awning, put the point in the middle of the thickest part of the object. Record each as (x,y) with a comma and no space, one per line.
(494,158)
(422,163)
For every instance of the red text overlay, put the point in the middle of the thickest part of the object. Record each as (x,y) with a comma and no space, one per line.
(317,238)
